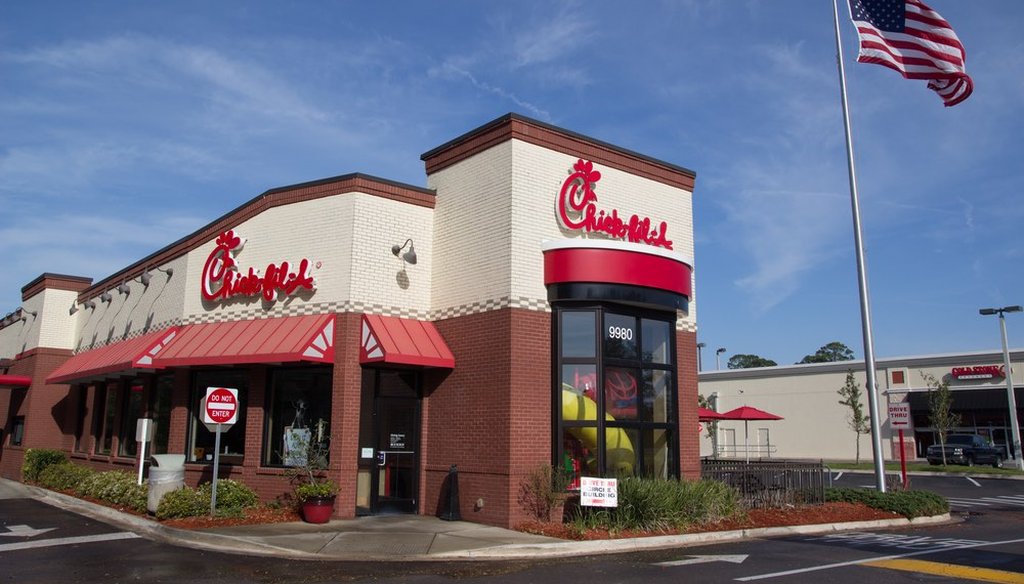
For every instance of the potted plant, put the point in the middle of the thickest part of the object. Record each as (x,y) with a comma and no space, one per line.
(307,459)
(317,500)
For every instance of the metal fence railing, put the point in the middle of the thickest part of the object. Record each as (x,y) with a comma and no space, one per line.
(773,483)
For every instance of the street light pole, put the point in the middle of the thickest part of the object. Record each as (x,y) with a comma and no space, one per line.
(1014,428)
(718,355)
(700,360)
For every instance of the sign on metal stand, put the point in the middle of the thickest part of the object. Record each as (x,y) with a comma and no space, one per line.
(599,492)
(899,419)
(220,408)
(143,434)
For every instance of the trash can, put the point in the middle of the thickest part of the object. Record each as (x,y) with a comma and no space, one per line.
(165,475)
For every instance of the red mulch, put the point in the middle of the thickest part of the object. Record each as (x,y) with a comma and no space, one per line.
(755,518)
(253,516)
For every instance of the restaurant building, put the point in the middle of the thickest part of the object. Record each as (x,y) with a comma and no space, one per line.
(815,425)
(532,305)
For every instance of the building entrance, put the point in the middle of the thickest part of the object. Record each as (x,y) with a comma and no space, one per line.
(390,430)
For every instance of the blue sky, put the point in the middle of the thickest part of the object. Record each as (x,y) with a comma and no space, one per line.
(126,125)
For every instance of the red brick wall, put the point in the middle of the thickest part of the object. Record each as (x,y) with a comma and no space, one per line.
(48,409)
(689,437)
(492,415)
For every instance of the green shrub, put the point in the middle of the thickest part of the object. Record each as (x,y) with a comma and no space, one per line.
(184,502)
(233,498)
(658,505)
(909,504)
(37,459)
(231,494)
(115,487)
(64,477)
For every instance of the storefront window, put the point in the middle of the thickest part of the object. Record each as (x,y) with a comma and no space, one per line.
(17,430)
(299,415)
(81,409)
(616,402)
(202,439)
(130,414)
(160,410)
(107,421)
(580,334)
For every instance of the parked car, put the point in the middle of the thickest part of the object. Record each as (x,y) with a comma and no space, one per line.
(966,449)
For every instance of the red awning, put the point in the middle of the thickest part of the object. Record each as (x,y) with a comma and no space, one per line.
(403,341)
(137,353)
(269,340)
(15,381)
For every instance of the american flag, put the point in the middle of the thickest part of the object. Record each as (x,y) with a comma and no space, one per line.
(910,37)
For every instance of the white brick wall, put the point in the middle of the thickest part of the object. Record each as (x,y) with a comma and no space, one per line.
(496,208)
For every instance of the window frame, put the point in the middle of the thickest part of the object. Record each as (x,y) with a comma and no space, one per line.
(200,380)
(642,430)
(321,373)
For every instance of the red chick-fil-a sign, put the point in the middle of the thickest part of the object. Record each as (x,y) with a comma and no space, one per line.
(222,280)
(577,209)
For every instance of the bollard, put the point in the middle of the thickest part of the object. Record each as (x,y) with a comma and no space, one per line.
(450,501)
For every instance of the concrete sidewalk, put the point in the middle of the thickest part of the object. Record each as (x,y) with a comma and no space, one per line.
(403,537)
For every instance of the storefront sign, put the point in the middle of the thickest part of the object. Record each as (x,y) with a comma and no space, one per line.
(978,372)
(595,492)
(577,210)
(221,279)
(899,416)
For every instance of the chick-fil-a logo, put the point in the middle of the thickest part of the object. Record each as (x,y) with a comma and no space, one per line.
(577,209)
(222,280)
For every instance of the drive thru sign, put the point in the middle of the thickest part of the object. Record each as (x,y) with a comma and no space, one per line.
(221,405)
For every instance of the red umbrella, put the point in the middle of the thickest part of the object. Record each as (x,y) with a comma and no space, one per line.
(747,413)
(706,415)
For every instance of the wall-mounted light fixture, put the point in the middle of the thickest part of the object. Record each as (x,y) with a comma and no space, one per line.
(73,309)
(106,297)
(124,288)
(89,304)
(24,312)
(146,276)
(409,256)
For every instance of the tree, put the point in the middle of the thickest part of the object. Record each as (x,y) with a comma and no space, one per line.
(749,361)
(712,427)
(859,423)
(830,353)
(940,409)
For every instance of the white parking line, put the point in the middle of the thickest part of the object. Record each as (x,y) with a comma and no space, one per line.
(838,476)
(25,545)
(973,482)
(1004,500)
(866,560)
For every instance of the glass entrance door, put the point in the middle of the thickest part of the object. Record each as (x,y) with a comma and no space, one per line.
(395,484)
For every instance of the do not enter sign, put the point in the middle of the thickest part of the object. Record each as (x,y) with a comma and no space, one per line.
(221,405)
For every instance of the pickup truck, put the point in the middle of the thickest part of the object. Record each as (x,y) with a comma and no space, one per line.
(966,449)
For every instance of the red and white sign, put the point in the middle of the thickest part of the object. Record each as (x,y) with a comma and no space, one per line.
(978,372)
(221,279)
(576,208)
(221,406)
(899,416)
(595,492)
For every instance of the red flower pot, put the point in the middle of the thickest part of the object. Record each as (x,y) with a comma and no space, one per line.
(318,509)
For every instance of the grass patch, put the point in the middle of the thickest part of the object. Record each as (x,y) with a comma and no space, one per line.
(909,504)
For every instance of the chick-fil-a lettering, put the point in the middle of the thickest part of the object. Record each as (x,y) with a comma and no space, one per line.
(222,280)
(577,198)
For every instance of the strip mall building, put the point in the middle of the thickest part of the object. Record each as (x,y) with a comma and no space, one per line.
(532,305)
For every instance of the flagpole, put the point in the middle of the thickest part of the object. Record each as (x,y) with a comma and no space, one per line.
(862,276)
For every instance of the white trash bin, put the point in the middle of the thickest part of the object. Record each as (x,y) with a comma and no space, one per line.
(165,475)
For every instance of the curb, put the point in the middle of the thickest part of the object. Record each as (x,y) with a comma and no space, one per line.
(572,548)
(162,533)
